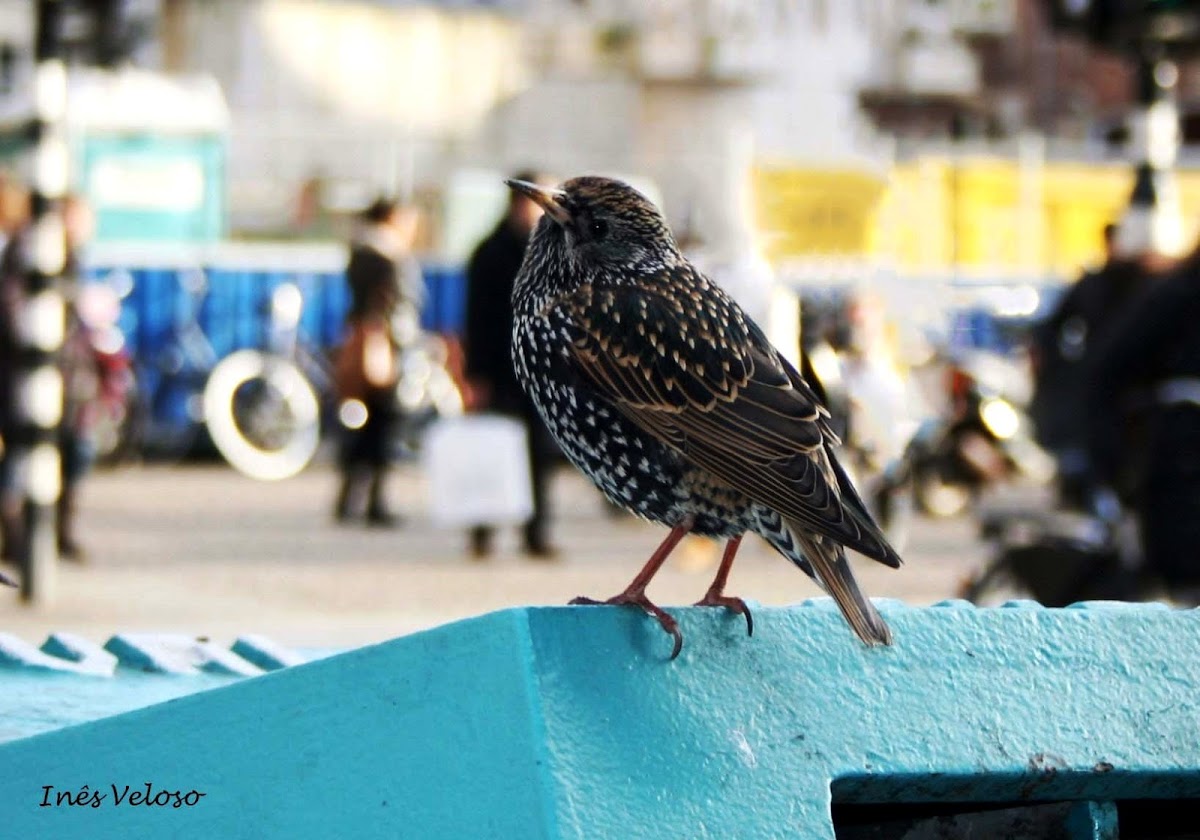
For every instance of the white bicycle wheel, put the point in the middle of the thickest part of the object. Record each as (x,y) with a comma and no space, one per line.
(262,414)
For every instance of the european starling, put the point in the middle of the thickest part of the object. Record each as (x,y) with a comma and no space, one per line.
(666,395)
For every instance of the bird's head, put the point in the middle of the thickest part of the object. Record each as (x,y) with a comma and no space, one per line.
(596,227)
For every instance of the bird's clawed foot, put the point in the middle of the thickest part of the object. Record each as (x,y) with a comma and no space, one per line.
(714,598)
(638,599)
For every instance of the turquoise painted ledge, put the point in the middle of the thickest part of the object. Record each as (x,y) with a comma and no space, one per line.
(570,722)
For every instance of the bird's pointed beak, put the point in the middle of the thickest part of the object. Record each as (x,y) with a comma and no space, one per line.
(549,200)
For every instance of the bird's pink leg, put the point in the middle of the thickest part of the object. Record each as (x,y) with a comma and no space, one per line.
(635,594)
(716,597)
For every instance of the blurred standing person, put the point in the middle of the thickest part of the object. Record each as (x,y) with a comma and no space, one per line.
(1151,366)
(491,377)
(1065,349)
(14,206)
(14,215)
(86,379)
(386,296)
(310,217)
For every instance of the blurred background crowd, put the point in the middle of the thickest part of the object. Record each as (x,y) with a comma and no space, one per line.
(290,249)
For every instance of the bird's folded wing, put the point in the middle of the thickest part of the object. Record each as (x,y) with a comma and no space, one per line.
(693,371)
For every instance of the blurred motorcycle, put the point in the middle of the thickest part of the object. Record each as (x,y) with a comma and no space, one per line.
(111,414)
(984,436)
(1060,557)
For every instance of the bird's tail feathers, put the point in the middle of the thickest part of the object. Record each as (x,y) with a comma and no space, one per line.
(874,542)
(828,565)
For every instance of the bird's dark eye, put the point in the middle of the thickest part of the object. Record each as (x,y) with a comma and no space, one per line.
(598,229)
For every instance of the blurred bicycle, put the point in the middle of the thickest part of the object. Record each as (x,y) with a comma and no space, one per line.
(263,407)
(267,410)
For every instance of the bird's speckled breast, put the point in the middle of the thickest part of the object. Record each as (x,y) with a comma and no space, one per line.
(631,468)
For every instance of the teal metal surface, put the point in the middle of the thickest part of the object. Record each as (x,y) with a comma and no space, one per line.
(33,702)
(16,652)
(174,653)
(143,669)
(81,651)
(265,653)
(570,722)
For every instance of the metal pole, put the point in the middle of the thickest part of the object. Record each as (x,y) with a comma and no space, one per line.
(1153,223)
(42,318)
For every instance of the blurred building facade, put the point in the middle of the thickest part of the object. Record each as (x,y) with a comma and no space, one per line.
(812,121)
(356,96)
(376,94)
(972,68)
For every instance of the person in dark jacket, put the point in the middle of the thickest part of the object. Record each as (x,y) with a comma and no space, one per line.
(386,294)
(85,380)
(491,377)
(14,214)
(1066,345)
(1151,366)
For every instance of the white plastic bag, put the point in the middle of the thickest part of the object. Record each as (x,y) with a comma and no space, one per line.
(478,470)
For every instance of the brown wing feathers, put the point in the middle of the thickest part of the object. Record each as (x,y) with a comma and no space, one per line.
(705,376)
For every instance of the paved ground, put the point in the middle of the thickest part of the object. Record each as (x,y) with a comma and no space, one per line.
(200,549)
